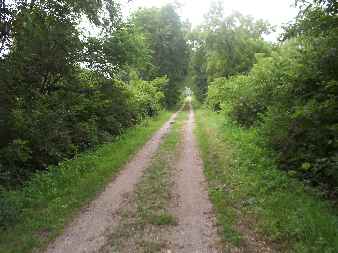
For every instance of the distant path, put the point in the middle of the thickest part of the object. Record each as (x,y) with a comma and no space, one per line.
(87,232)
(195,231)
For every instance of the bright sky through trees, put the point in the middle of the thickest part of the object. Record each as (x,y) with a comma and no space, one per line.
(276,12)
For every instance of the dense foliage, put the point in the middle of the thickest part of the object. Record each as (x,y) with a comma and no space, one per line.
(165,34)
(291,96)
(63,91)
(245,184)
(224,46)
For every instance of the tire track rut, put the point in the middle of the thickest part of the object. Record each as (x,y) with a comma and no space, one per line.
(87,233)
(196,230)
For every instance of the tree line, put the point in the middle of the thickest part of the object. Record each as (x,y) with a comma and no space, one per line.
(63,91)
(287,91)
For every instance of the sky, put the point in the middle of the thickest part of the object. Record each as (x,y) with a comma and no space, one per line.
(276,12)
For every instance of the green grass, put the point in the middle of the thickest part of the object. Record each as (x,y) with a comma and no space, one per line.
(153,193)
(147,212)
(51,199)
(162,219)
(246,186)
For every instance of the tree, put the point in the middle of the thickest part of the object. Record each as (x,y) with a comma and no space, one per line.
(165,34)
(59,91)
(232,43)
(291,97)
(198,64)
(224,46)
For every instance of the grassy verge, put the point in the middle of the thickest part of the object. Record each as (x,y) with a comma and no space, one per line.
(46,203)
(146,216)
(246,187)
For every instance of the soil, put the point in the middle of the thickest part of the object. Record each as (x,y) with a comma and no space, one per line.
(87,232)
(196,230)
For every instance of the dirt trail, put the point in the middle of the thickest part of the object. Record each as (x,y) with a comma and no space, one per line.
(196,231)
(87,232)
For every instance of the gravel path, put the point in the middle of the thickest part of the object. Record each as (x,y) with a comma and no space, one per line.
(87,232)
(196,231)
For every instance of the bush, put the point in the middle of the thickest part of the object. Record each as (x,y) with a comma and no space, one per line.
(9,209)
(292,97)
(148,96)
(61,124)
(304,143)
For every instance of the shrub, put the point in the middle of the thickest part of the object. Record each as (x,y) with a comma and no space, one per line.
(292,96)
(148,95)
(9,209)
(61,124)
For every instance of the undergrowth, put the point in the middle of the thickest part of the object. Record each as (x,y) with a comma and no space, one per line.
(246,186)
(37,213)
